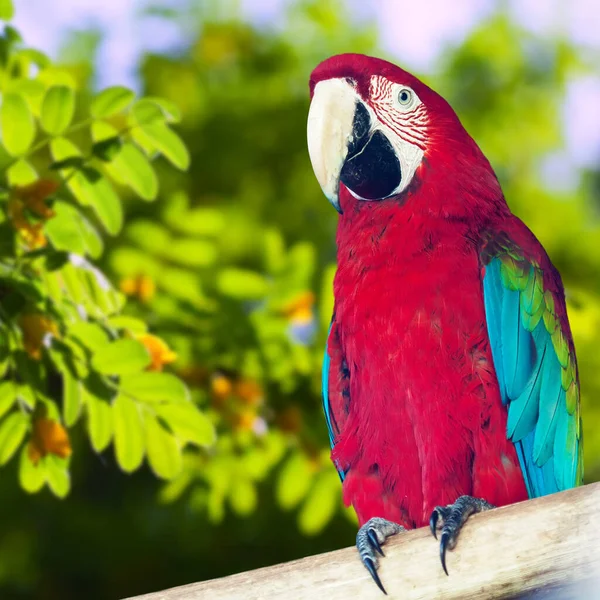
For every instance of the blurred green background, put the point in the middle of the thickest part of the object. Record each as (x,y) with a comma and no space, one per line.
(232,266)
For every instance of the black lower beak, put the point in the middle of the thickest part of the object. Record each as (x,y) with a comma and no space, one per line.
(372,169)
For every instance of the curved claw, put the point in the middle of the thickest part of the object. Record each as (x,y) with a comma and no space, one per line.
(443,545)
(433,523)
(374,541)
(370,565)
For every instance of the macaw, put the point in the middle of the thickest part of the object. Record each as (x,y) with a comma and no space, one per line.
(450,384)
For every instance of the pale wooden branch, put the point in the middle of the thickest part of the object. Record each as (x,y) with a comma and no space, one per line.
(547,543)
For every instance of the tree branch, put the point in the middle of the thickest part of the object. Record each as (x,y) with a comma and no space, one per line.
(550,543)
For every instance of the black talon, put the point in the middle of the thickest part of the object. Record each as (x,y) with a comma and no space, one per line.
(374,541)
(373,570)
(443,545)
(433,523)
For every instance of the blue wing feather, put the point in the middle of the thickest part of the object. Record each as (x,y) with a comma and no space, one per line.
(325,398)
(529,377)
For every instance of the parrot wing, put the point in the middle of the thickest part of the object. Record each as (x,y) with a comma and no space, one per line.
(335,388)
(534,359)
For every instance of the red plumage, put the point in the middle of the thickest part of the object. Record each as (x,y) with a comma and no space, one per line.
(415,403)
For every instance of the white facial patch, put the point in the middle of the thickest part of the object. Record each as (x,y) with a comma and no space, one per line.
(398,112)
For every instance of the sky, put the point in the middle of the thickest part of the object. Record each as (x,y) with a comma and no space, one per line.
(414,32)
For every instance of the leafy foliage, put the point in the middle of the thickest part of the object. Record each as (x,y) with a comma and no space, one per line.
(66,351)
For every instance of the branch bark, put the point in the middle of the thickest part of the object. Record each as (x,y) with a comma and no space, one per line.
(550,543)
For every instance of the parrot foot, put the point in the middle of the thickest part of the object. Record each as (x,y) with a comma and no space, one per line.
(451,518)
(369,540)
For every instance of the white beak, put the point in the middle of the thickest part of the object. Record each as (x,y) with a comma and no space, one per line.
(329,132)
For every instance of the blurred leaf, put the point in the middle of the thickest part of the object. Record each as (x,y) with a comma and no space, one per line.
(190,252)
(16,121)
(121,357)
(72,398)
(57,475)
(100,420)
(187,423)
(58,108)
(146,110)
(129,434)
(243,497)
(154,387)
(133,168)
(8,396)
(166,141)
(242,284)
(164,454)
(32,90)
(294,481)
(111,101)
(320,505)
(31,477)
(21,173)
(107,149)
(12,431)
(128,323)
(104,200)
(90,335)
(68,230)
(6,10)
(72,162)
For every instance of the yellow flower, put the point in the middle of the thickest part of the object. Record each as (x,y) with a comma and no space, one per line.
(35,326)
(32,198)
(220,386)
(249,391)
(48,437)
(141,286)
(160,353)
(299,310)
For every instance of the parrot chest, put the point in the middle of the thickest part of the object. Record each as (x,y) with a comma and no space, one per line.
(414,337)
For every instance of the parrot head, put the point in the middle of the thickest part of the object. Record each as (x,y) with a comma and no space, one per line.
(374,129)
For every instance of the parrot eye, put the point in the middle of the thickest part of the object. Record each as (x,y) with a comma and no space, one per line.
(405,97)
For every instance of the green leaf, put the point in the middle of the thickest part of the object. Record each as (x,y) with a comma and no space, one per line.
(190,252)
(57,475)
(21,173)
(12,431)
(58,108)
(101,195)
(242,284)
(128,324)
(31,477)
(170,110)
(159,136)
(320,505)
(111,101)
(187,422)
(8,396)
(129,433)
(132,167)
(121,357)
(100,420)
(294,481)
(7,10)
(16,121)
(243,497)
(32,90)
(64,229)
(107,149)
(72,398)
(154,387)
(164,453)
